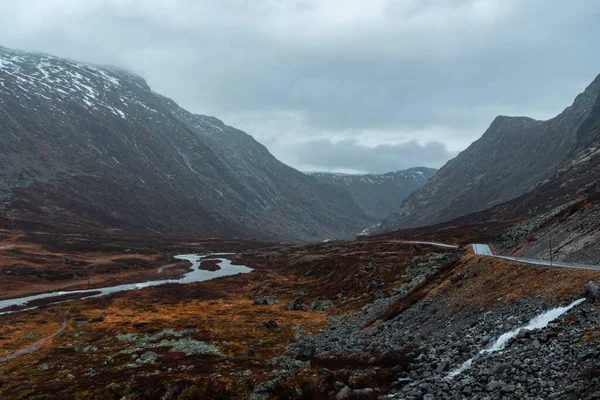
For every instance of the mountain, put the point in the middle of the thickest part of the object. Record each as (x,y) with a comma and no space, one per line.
(95,147)
(378,195)
(514,157)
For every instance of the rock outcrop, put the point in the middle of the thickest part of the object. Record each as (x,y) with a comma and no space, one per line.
(592,291)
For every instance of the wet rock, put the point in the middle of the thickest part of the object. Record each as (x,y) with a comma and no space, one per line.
(493,385)
(266,300)
(147,357)
(298,333)
(270,324)
(414,394)
(592,290)
(401,382)
(286,362)
(347,393)
(250,352)
(344,394)
(587,355)
(365,393)
(508,388)
(303,353)
(296,305)
(20,270)
(265,390)
(442,366)
(86,349)
(246,372)
(320,305)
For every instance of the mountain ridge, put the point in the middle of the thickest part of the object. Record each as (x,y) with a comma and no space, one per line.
(98,148)
(378,194)
(506,162)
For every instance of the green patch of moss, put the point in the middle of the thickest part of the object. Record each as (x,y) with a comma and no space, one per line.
(25,394)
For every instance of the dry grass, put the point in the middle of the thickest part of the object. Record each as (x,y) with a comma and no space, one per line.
(487,281)
(221,313)
(480,282)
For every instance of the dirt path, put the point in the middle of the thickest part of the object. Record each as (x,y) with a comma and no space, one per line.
(33,347)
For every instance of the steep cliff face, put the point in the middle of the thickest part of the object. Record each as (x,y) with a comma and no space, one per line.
(513,157)
(94,146)
(378,195)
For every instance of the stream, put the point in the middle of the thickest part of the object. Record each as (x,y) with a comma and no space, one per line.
(195,275)
(538,322)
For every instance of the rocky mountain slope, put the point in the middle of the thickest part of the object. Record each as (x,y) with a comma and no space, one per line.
(96,147)
(571,232)
(515,156)
(378,194)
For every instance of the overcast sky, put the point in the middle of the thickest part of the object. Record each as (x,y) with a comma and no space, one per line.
(341,85)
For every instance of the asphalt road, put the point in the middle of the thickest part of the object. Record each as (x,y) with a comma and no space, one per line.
(447,246)
(485,250)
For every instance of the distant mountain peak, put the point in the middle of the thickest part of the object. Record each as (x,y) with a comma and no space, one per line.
(514,155)
(42,66)
(502,120)
(378,194)
(589,96)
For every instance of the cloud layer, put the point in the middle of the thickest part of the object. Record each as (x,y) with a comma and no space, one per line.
(383,84)
(350,156)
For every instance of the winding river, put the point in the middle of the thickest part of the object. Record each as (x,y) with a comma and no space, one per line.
(194,275)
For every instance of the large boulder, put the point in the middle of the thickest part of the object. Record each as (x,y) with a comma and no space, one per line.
(265,390)
(592,291)
(297,305)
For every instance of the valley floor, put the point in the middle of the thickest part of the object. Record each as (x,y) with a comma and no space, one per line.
(363,319)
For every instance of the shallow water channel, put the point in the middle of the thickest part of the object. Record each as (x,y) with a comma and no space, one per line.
(194,275)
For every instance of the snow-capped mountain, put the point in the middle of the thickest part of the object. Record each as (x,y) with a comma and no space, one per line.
(96,147)
(378,194)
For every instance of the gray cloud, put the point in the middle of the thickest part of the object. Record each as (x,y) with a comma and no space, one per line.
(350,156)
(377,72)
